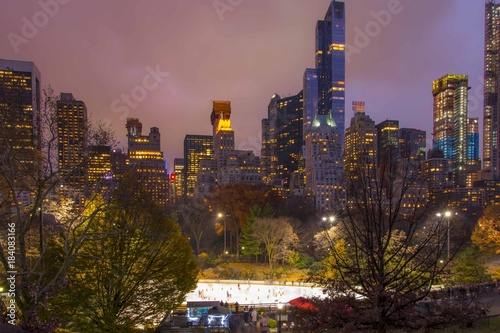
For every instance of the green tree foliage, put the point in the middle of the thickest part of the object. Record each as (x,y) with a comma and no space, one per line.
(486,234)
(134,268)
(470,267)
(250,245)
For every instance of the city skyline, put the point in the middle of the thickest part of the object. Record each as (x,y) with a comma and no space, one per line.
(243,52)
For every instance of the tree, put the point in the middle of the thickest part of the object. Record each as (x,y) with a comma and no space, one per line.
(196,219)
(250,245)
(393,244)
(234,201)
(28,170)
(277,236)
(470,266)
(486,234)
(135,268)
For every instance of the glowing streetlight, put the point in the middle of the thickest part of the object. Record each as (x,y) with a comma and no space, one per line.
(447,214)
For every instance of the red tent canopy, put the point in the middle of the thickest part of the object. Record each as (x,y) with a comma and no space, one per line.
(302,303)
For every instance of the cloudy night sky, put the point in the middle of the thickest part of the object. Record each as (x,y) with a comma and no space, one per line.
(100,50)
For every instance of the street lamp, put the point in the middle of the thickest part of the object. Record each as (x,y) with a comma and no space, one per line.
(220,215)
(280,307)
(447,214)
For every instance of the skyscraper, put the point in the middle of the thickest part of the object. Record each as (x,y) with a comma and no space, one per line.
(412,148)
(450,122)
(223,134)
(387,141)
(72,130)
(473,161)
(491,117)
(145,158)
(310,101)
(360,149)
(20,85)
(196,149)
(330,65)
(269,161)
(289,137)
(324,166)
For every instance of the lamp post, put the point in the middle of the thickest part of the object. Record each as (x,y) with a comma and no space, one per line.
(447,214)
(280,307)
(220,215)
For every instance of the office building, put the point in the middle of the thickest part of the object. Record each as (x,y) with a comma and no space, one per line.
(145,159)
(412,148)
(491,116)
(450,122)
(72,135)
(196,149)
(223,135)
(330,65)
(20,86)
(268,153)
(360,151)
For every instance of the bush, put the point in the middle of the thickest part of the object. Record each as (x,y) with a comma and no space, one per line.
(305,262)
(272,323)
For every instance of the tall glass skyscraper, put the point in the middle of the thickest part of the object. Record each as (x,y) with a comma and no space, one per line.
(330,65)
(491,120)
(450,121)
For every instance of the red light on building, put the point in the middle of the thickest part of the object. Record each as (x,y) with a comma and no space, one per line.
(172,177)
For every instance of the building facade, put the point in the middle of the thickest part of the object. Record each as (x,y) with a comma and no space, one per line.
(450,122)
(196,149)
(491,116)
(72,130)
(145,159)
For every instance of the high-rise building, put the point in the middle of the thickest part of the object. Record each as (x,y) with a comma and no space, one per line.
(269,148)
(99,167)
(412,148)
(324,167)
(473,161)
(436,172)
(289,138)
(387,141)
(72,133)
(360,151)
(178,181)
(330,65)
(145,159)
(196,148)
(310,98)
(491,117)
(223,135)
(450,122)
(20,85)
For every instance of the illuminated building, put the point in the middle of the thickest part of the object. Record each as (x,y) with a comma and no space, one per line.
(450,122)
(387,142)
(282,141)
(206,178)
(360,151)
(196,148)
(223,134)
(412,148)
(178,181)
(99,166)
(330,65)
(491,117)
(436,172)
(473,161)
(20,85)
(145,159)
(324,169)
(72,133)
(310,99)
(268,152)
(289,138)
(242,166)
(118,163)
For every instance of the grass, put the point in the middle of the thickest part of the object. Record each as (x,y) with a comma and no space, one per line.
(491,325)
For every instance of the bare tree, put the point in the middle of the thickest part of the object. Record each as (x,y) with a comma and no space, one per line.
(277,235)
(391,248)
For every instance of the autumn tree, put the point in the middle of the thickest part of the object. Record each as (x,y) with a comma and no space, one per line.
(196,220)
(486,234)
(277,237)
(134,268)
(250,244)
(234,201)
(469,267)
